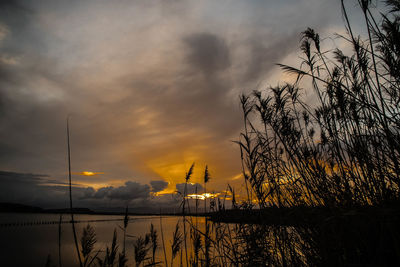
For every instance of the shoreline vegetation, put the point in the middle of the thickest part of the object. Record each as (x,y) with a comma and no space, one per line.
(287,216)
(322,180)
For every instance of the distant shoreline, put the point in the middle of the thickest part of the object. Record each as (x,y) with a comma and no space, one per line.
(295,216)
(21,208)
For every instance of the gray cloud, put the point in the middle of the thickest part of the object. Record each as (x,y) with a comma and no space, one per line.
(157,186)
(30,178)
(207,52)
(130,191)
(88,193)
(264,55)
(101,192)
(31,189)
(43,191)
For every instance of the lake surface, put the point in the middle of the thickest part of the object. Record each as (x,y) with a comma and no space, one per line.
(31,243)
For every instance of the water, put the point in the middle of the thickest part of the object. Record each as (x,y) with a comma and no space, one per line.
(30,244)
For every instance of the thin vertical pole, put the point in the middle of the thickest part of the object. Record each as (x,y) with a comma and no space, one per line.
(70,196)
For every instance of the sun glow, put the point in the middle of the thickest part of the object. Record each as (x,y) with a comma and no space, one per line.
(203,196)
(88,173)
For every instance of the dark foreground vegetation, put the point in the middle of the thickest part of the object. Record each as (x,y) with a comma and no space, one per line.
(322,173)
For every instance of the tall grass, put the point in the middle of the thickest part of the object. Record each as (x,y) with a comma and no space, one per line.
(343,149)
(206,179)
(70,196)
(327,170)
(163,242)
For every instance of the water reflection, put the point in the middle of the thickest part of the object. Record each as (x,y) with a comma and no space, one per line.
(357,240)
(30,245)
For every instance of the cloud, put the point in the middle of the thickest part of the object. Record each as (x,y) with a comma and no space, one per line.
(31,189)
(41,190)
(88,193)
(102,192)
(130,191)
(207,52)
(149,86)
(29,178)
(157,186)
(264,55)
(190,189)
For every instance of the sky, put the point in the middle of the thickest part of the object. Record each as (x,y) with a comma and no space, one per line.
(149,88)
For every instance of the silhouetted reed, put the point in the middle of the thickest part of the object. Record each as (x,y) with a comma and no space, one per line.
(59,241)
(126,221)
(163,242)
(336,155)
(70,196)
(177,240)
(88,240)
(341,150)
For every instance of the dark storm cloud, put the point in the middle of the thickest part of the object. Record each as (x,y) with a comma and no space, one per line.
(207,53)
(157,186)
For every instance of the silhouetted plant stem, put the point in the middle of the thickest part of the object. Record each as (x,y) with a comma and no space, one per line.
(162,240)
(207,244)
(205,198)
(70,196)
(206,179)
(154,242)
(197,203)
(188,174)
(184,232)
(176,244)
(126,221)
(59,240)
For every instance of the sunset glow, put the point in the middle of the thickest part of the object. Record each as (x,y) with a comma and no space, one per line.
(203,196)
(145,99)
(88,173)
(200,133)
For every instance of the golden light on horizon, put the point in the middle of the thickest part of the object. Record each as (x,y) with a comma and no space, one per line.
(88,173)
(97,185)
(203,196)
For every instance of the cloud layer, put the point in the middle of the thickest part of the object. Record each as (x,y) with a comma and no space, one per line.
(151,86)
(41,190)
